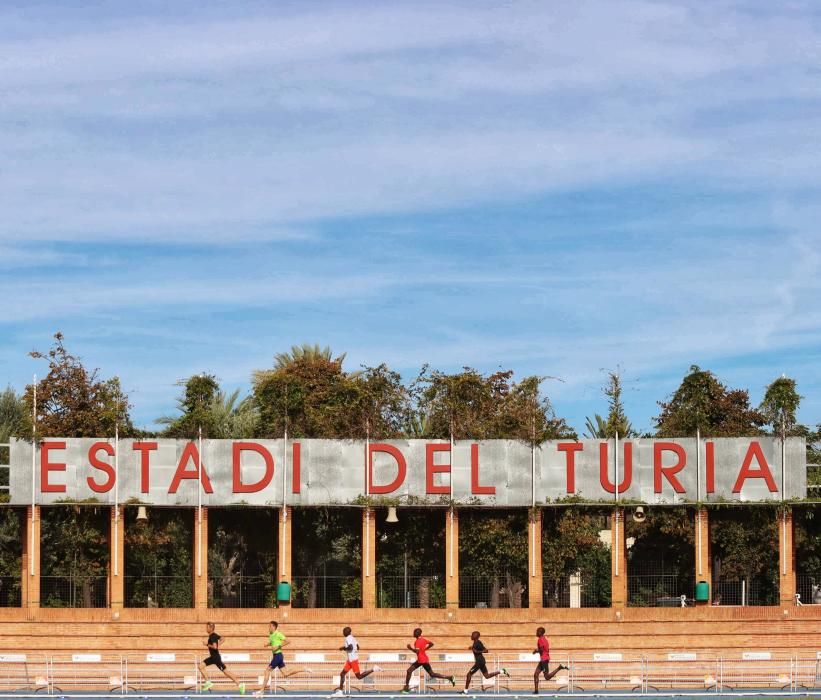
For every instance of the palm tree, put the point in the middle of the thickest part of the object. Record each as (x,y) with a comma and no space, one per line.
(596,427)
(298,353)
(233,419)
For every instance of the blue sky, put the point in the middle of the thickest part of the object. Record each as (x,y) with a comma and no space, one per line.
(556,188)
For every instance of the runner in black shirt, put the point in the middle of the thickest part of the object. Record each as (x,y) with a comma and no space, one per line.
(215,659)
(479,664)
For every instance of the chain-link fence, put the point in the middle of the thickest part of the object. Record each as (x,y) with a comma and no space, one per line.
(241,592)
(578,590)
(415,591)
(159,591)
(745,591)
(74,591)
(808,589)
(503,590)
(326,592)
(651,584)
(10,592)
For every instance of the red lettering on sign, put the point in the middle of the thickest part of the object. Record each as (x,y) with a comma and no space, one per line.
(431,468)
(710,466)
(47,466)
(402,467)
(763,471)
(296,468)
(604,468)
(571,448)
(190,454)
(105,467)
(145,449)
(237,449)
(669,472)
(475,488)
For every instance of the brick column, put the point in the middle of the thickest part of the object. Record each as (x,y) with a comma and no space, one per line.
(286,518)
(786,558)
(618,560)
(116,559)
(704,559)
(368,559)
(30,582)
(535,585)
(452,558)
(200,562)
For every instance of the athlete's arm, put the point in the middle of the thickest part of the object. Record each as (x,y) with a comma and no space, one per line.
(413,649)
(429,646)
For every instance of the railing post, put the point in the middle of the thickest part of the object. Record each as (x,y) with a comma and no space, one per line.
(452,559)
(200,560)
(368,559)
(535,590)
(786,550)
(286,519)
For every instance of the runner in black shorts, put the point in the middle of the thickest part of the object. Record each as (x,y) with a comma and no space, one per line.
(543,668)
(479,664)
(215,659)
(420,648)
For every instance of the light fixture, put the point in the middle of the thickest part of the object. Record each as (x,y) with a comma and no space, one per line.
(639,515)
(142,514)
(392,518)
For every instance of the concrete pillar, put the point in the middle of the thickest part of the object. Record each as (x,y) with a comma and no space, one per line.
(368,559)
(200,558)
(285,557)
(452,558)
(704,559)
(786,558)
(116,559)
(535,585)
(618,560)
(30,579)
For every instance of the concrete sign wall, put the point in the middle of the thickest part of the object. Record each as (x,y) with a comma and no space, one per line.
(326,472)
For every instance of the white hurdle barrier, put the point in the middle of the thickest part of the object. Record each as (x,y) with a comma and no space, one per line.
(23,672)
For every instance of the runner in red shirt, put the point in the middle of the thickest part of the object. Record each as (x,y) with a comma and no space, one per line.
(420,647)
(543,650)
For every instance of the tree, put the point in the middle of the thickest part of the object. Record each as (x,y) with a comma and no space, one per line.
(231,418)
(314,397)
(780,405)
(196,405)
(12,414)
(617,422)
(74,402)
(703,403)
(469,405)
(571,547)
(11,552)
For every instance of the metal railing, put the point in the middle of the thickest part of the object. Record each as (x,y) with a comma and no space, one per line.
(415,591)
(74,591)
(651,584)
(159,592)
(744,592)
(241,592)
(326,592)
(578,590)
(807,589)
(599,673)
(499,591)
(10,592)
(5,467)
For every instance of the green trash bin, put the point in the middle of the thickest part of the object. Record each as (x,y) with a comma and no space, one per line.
(283,592)
(702,592)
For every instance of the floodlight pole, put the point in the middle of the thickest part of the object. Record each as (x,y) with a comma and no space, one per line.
(33,473)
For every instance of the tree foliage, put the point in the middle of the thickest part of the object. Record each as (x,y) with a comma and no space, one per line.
(470,405)
(12,414)
(616,422)
(73,401)
(195,404)
(780,406)
(703,403)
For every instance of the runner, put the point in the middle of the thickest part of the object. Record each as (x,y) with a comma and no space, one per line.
(420,648)
(543,650)
(351,649)
(215,659)
(479,664)
(276,640)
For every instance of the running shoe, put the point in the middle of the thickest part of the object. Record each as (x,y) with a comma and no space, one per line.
(505,673)
(464,692)
(562,667)
(377,669)
(338,693)
(242,688)
(452,680)
(258,694)
(404,691)
(207,686)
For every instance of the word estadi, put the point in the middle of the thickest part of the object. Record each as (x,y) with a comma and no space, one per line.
(503,473)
